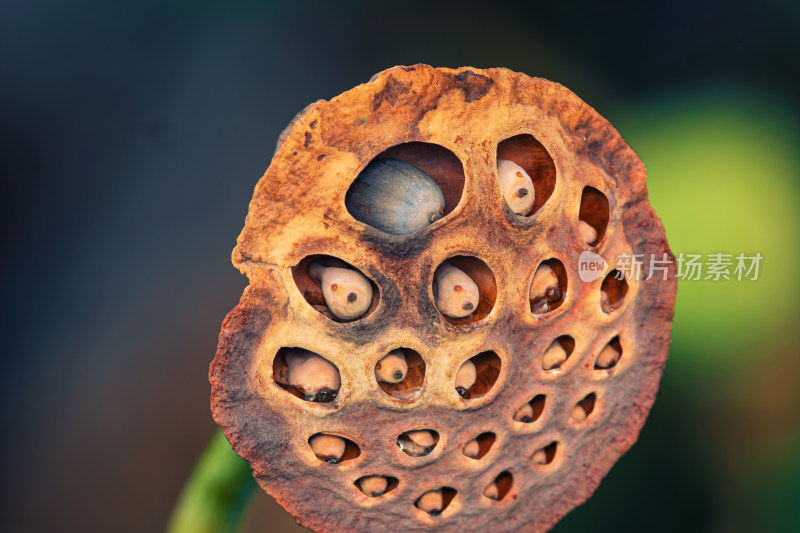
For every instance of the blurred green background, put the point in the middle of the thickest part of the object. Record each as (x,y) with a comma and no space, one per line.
(133,135)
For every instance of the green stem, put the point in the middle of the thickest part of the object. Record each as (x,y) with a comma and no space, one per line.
(216,495)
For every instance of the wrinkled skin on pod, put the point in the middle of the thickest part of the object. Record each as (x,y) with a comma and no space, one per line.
(516,186)
(392,368)
(395,197)
(347,292)
(455,293)
(329,448)
(465,378)
(316,377)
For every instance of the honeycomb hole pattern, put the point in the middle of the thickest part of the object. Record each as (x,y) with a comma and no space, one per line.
(311,384)
(531,155)
(410,386)
(551,299)
(483,277)
(333,449)
(613,291)
(435,502)
(436,161)
(594,211)
(531,411)
(478,447)
(500,487)
(312,292)
(375,486)
(487,369)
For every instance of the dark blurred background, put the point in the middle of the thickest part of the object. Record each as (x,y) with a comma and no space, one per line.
(132,135)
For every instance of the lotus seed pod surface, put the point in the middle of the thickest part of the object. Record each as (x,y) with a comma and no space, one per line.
(347,292)
(516,186)
(328,447)
(392,368)
(544,278)
(456,294)
(395,197)
(311,373)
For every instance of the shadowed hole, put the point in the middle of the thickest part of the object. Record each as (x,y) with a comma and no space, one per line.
(418,442)
(434,502)
(333,449)
(613,291)
(558,352)
(609,356)
(545,456)
(312,292)
(546,294)
(527,152)
(594,211)
(483,277)
(413,380)
(306,375)
(438,162)
(376,486)
(487,369)
(531,411)
(584,408)
(478,447)
(498,489)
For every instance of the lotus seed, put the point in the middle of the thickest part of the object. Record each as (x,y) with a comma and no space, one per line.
(472,449)
(524,414)
(431,502)
(608,357)
(516,186)
(329,448)
(465,378)
(588,233)
(347,292)
(455,293)
(314,376)
(374,486)
(392,368)
(554,357)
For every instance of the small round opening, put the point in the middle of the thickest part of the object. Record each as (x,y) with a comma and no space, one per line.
(557,353)
(306,375)
(593,216)
(548,287)
(376,486)
(344,285)
(525,151)
(497,489)
(434,502)
(531,411)
(406,188)
(455,284)
(609,356)
(478,447)
(418,442)
(333,449)
(401,373)
(584,408)
(545,456)
(613,291)
(477,375)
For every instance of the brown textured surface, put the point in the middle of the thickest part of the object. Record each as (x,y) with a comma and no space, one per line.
(298,210)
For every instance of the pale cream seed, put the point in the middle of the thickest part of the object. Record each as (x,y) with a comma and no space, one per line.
(588,233)
(466,377)
(374,486)
(451,301)
(545,282)
(554,357)
(316,377)
(578,413)
(540,457)
(422,437)
(516,186)
(608,357)
(472,449)
(432,502)
(524,414)
(491,491)
(392,368)
(347,292)
(328,448)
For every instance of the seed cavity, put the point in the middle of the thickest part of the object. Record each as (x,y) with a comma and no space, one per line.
(307,375)
(478,447)
(333,449)
(419,442)
(545,456)
(531,411)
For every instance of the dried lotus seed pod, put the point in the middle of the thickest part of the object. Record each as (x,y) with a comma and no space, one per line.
(455,293)
(316,377)
(395,197)
(472,449)
(608,357)
(432,502)
(588,233)
(544,284)
(554,357)
(347,292)
(373,486)
(453,124)
(329,448)
(516,186)
(524,414)
(465,378)
(392,368)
